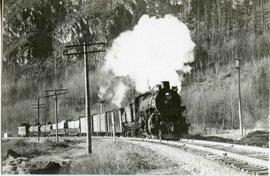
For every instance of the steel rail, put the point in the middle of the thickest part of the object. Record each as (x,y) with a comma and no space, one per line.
(236,146)
(247,159)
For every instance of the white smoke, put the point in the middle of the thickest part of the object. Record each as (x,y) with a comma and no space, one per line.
(152,52)
(102,91)
(119,94)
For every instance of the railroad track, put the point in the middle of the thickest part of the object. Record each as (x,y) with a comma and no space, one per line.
(251,151)
(250,159)
(253,160)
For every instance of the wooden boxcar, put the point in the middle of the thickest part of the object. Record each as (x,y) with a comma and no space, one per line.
(43,130)
(62,126)
(33,130)
(99,124)
(118,121)
(73,128)
(109,122)
(83,125)
(23,131)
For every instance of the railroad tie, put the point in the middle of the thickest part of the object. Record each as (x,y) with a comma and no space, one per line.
(237,164)
(252,168)
(261,172)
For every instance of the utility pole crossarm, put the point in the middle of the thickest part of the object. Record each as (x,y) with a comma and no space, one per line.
(89,52)
(38,107)
(52,95)
(53,90)
(38,104)
(86,44)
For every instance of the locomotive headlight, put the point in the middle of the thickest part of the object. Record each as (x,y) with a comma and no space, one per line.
(168,96)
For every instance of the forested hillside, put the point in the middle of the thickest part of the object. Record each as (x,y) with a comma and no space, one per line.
(224,31)
(36,31)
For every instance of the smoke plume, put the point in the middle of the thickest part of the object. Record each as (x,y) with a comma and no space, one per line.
(152,52)
(119,94)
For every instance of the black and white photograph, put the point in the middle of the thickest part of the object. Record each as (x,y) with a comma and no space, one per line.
(135,87)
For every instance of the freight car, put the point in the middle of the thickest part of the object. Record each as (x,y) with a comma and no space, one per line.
(73,128)
(34,129)
(155,114)
(62,126)
(23,130)
(107,123)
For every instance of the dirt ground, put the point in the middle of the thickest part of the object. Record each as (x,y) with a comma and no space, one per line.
(70,157)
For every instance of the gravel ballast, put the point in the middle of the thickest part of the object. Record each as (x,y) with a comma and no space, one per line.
(193,164)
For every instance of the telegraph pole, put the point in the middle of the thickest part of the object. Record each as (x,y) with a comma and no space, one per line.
(87,91)
(239,96)
(55,94)
(87,100)
(113,128)
(38,106)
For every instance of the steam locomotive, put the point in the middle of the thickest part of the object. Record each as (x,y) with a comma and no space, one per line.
(156,114)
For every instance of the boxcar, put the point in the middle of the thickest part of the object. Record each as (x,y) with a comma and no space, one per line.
(96,124)
(23,131)
(43,130)
(118,121)
(114,117)
(33,130)
(99,124)
(73,128)
(103,123)
(61,128)
(83,124)
(109,121)
(48,128)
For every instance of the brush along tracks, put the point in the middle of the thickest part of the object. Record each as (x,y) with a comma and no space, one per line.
(253,160)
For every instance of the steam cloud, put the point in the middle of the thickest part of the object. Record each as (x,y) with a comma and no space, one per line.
(119,95)
(152,52)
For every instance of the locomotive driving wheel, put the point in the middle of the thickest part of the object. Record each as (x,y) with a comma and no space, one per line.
(153,125)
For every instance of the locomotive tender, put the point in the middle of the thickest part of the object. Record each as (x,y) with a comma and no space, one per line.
(155,114)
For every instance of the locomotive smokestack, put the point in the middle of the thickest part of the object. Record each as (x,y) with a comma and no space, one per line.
(165,85)
(174,88)
(157,88)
